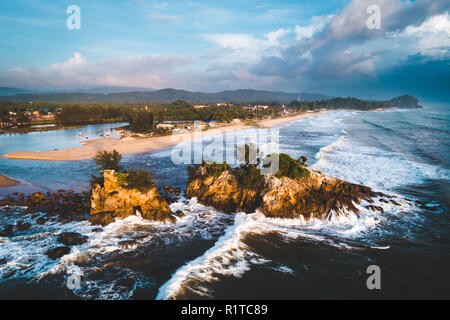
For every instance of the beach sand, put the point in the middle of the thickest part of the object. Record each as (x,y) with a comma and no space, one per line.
(131,145)
(7,182)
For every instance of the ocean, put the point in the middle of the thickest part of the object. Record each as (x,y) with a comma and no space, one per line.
(209,254)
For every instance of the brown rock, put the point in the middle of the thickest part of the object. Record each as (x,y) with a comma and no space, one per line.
(23,226)
(179,214)
(57,253)
(113,201)
(38,197)
(41,221)
(128,244)
(315,196)
(72,239)
(7,231)
(375,208)
(102,219)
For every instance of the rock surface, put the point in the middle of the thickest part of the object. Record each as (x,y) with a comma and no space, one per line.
(57,253)
(114,201)
(72,239)
(60,206)
(315,196)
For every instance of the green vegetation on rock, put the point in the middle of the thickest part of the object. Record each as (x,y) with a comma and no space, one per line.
(291,168)
(138,179)
(108,160)
(131,179)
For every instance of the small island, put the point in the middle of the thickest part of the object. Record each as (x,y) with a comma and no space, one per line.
(294,191)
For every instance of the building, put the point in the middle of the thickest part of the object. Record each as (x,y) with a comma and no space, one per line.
(164,126)
(201,106)
(222,104)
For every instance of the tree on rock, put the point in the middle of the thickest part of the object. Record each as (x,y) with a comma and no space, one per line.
(108,160)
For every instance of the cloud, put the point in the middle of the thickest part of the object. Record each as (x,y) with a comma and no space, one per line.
(335,54)
(152,71)
(317,24)
(340,47)
(244,47)
(432,37)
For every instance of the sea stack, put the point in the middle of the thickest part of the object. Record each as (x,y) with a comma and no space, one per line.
(309,195)
(115,200)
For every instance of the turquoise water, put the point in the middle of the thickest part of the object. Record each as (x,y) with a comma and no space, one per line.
(51,175)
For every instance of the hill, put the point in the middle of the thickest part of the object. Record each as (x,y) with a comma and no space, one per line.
(7,91)
(166,95)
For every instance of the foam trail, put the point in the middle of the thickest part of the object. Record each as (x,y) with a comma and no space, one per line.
(230,256)
(230,240)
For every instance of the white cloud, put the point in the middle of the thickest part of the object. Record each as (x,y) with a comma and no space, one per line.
(317,25)
(75,61)
(432,37)
(152,71)
(245,47)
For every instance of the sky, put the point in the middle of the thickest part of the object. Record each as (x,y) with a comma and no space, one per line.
(331,47)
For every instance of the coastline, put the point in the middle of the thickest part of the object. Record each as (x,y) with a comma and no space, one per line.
(6,182)
(132,145)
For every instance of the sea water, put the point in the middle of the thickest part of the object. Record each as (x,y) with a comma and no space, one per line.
(209,254)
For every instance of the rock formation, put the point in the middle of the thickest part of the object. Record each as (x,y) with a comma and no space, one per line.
(114,200)
(313,195)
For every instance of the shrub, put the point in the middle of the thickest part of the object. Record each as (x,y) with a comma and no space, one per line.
(216,169)
(137,179)
(303,160)
(291,168)
(193,172)
(96,180)
(121,178)
(250,177)
(141,121)
(108,160)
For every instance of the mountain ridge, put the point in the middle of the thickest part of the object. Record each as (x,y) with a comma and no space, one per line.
(167,95)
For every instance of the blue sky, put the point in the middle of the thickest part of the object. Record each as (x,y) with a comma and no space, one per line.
(315,46)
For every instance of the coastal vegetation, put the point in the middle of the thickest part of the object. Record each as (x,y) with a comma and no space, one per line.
(137,179)
(144,116)
(108,160)
(87,114)
(293,191)
(130,179)
(291,168)
(248,173)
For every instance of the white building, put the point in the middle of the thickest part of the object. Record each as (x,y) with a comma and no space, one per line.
(164,126)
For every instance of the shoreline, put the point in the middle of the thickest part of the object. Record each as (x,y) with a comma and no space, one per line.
(133,145)
(6,182)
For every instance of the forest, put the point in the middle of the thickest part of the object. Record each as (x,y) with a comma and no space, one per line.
(142,116)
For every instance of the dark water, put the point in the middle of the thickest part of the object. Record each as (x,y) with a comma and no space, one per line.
(209,254)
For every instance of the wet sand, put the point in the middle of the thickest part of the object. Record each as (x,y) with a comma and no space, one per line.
(7,182)
(132,145)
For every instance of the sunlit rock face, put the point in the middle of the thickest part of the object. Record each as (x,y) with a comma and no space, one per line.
(115,201)
(313,196)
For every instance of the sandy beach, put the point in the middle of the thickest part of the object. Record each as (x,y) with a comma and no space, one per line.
(140,145)
(7,182)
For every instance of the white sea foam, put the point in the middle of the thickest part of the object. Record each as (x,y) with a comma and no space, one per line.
(230,256)
(25,254)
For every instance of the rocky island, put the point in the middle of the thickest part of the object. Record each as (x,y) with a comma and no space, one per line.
(294,191)
(115,199)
